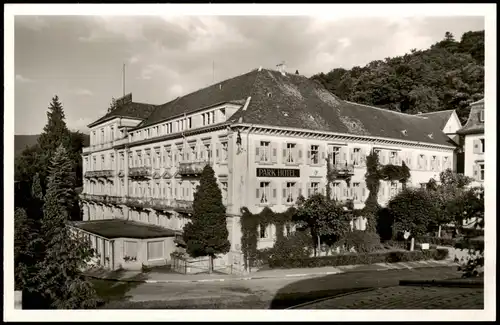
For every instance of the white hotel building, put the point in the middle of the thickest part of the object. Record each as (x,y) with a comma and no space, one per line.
(143,163)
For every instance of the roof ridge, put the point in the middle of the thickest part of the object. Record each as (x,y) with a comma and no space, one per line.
(446,110)
(383,109)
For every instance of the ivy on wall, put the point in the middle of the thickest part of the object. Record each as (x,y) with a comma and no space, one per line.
(249,228)
(374,174)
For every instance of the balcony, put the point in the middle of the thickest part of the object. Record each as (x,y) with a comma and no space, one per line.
(184,206)
(99,174)
(150,203)
(104,199)
(139,172)
(192,168)
(342,169)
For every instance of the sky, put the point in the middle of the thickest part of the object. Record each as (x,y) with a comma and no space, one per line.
(80,58)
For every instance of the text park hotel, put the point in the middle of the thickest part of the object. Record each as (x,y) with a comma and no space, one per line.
(266,134)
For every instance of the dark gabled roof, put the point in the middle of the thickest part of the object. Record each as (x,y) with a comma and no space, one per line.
(473,124)
(297,102)
(233,90)
(439,117)
(118,228)
(131,109)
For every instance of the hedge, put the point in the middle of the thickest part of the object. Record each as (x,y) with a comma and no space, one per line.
(368,258)
(437,240)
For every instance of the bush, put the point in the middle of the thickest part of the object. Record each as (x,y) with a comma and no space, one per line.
(362,241)
(297,245)
(396,244)
(437,240)
(352,259)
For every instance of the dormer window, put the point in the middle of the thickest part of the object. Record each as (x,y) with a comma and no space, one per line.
(404,132)
(430,135)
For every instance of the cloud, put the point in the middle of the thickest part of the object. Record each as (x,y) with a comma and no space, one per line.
(21,79)
(82,92)
(34,23)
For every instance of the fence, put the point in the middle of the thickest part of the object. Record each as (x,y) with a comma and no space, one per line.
(199,265)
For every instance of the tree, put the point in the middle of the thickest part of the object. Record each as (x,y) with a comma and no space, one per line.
(325,218)
(24,257)
(207,234)
(59,279)
(411,211)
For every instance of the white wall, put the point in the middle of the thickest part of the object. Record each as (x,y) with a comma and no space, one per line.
(472,156)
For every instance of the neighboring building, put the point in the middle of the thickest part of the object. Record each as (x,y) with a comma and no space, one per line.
(449,123)
(474,143)
(266,134)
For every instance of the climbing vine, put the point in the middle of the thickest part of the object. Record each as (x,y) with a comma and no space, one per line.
(249,227)
(374,174)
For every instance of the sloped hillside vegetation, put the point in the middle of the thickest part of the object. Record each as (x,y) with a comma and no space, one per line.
(448,75)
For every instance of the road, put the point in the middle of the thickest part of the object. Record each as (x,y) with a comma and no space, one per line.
(269,293)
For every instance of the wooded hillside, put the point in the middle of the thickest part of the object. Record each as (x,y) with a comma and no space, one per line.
(448,75)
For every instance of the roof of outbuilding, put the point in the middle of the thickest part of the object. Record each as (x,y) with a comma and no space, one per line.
(118,228)
(474,125)
(296,101)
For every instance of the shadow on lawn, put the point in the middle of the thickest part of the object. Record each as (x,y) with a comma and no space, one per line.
(111,290)
(314,288)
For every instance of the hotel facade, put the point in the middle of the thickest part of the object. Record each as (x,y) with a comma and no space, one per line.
(266,134)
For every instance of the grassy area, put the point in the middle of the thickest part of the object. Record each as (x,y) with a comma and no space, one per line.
(251,302)
(110,290)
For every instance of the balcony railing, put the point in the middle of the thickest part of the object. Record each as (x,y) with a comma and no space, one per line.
(106,145)
(99,173)
(105,199)
(342,168)
(158,204)
(139,172)
(184,205)
(192,168)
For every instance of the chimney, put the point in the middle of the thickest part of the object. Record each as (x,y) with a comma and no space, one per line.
(281,68)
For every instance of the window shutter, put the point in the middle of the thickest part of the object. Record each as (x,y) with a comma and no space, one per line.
(257,145)
(299,153)
(308,157)
(363,195)
(274,193)
(257,193)
(322,155)
(439,163)
(345,191)
(351,156)
(344,155)
(274,153)
(284,153)
(283,189)
(475,169)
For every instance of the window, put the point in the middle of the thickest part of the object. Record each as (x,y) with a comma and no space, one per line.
(265,151)
(112,133)
(336,191)
(356,156)
(355,192)
(482,145)
(264,192)
(180,154)
(130,249)
(334,153)
(394,188)
(290,153)
(481,172)
(192,152)
(314,155)
(433,162)
(155,250)
(393,156)
(102,162)
(421,161)
(94,139)
(314,188)
(207,152)
(481,115)
(289,192)
(263,231)
(112,160)
(224,191)
(224,151)
(94,163)
(102,135)
(98,245)
(190,122)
